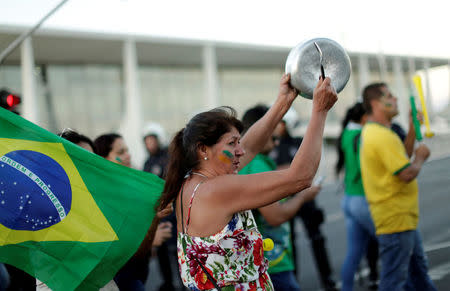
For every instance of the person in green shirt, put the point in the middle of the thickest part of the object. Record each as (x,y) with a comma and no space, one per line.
(359,224)
(273,219)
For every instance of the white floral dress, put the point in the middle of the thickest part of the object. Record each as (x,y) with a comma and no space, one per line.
(234,257)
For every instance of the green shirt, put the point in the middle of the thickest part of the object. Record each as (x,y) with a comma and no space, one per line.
(350,146)
(280,257)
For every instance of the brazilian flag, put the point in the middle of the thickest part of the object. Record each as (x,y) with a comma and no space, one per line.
(67,216)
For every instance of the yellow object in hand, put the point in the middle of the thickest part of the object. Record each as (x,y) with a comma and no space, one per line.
(418,82)
(267,244)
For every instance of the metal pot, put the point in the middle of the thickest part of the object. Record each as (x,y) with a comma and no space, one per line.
(303,63)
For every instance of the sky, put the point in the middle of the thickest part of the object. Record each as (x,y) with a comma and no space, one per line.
(391,27)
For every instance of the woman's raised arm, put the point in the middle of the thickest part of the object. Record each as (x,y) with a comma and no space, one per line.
(257,135)
(256,190)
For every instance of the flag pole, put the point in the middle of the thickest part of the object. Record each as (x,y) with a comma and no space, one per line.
(5,53)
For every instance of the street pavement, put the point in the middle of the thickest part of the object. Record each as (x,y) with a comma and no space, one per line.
(434,225)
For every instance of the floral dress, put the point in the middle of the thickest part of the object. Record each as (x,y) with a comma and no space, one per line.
(234,257)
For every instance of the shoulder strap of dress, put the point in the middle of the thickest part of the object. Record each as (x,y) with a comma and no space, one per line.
(190,206)
(210,277)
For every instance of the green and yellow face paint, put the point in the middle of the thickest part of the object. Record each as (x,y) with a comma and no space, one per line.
(226,157)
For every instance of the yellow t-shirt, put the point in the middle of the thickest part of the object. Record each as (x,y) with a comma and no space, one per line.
(393,204)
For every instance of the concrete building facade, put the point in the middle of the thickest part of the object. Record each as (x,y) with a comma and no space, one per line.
(97,83)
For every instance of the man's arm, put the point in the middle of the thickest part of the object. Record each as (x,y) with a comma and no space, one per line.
(279,212)
(412,171)
(410,139)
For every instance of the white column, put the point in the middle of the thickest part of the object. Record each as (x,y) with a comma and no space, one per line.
(401,91)
(30,103)
(448,70)
(364,72)
(131,126)
(381,58)
(411,68)
(427,89)
(211,76)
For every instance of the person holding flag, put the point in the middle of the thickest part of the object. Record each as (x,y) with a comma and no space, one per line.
(67,216)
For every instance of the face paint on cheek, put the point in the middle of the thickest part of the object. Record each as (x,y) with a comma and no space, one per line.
(228,154)
(226,157)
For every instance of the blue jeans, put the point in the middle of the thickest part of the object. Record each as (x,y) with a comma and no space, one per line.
(360,228)
(404,264)
(284,281)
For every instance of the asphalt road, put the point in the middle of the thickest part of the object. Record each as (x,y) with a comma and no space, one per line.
(434,225)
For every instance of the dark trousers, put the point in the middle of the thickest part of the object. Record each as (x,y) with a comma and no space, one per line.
(20,280)
(165,267)
(132,276)
(312,217)
(372,258)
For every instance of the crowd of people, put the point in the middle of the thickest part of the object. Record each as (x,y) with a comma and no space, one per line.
(231,183)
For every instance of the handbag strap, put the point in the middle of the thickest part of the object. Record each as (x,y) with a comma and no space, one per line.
(210,277)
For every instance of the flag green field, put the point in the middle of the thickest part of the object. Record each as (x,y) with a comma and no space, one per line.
(67,216)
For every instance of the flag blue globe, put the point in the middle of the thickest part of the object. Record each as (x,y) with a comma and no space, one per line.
(35,191)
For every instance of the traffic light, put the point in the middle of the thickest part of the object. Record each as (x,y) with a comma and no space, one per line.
(9,100)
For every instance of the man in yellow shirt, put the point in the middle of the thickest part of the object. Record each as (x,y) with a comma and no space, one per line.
(389,179)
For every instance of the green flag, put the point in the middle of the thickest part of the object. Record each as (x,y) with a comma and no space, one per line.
(67,216)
